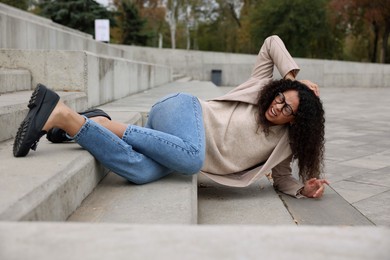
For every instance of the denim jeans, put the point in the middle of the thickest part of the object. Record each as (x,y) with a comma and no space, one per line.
(173,140)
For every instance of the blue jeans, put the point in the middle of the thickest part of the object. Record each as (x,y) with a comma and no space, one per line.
(173,140)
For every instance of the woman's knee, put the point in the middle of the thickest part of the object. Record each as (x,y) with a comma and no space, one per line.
(139,181)
(193,167)
(146,175)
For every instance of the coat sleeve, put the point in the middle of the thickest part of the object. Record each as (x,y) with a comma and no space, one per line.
(284,181)
(273,52)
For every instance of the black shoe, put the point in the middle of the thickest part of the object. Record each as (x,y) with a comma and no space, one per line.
(56,135)
(41,104)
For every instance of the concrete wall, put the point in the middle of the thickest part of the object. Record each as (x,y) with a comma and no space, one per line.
(22,30)
(330,73)
(16,12)
(236,68)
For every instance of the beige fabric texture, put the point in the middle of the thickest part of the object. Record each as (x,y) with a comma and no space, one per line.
(232,135)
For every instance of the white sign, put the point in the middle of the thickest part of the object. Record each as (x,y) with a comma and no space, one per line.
(102,30)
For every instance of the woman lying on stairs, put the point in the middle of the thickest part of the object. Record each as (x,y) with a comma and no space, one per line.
(259,127)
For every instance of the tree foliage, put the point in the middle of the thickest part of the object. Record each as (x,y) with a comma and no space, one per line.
(154,14)
(332,29)
(131,24)
(221,33)
(21,4)
(302,25)
(77,14)
(365,18)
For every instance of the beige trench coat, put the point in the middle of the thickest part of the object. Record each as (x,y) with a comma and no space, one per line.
(273,52)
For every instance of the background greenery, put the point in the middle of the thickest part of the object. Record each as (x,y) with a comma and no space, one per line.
(356,30)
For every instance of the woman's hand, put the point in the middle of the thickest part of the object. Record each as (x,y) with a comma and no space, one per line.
(314,188)
(311,85)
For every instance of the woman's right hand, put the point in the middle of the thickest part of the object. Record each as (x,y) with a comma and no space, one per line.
(311,85)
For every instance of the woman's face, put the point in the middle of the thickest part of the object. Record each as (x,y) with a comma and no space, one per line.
(283,108)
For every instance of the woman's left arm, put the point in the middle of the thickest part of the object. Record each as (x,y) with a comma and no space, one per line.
(274,52)
(286,183)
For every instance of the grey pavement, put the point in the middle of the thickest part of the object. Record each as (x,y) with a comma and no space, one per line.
(358,148)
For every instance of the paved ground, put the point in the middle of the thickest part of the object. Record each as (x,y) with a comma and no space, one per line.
(358,148)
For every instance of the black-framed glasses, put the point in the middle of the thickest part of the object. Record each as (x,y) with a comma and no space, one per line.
(286,109)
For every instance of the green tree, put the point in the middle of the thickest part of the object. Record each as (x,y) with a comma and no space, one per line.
(156,26)
(210,37)
(244,35)
(220,31)
(365,19)
(303,26)
(21,4)
(77,14)
(132,24)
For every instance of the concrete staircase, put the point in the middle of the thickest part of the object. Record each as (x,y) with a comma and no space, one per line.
(66,185)
(61,176)
(54,195)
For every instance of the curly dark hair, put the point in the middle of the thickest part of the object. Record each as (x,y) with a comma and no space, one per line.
(307,131)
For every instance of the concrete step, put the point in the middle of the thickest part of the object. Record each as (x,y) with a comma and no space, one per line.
(181,78)
(143,101)
(12,80)
(65,241)
(50,183)
(13,109)
(257,204)
(171,200)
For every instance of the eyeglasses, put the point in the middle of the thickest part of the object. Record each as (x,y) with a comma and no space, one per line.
(286,109)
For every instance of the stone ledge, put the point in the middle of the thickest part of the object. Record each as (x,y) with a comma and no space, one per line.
(14,80)
(256,204)
(171,200)
(122,241)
